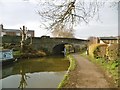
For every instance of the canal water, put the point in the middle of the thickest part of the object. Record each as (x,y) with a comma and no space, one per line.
(35,73)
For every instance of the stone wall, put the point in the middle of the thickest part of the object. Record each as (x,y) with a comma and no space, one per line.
(47,43)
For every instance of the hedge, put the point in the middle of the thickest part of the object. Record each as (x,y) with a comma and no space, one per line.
(100,51)
(112,52)
(93,48)
(108,52)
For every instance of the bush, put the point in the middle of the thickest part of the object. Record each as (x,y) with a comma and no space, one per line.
(112,52)
(16,53)
(100,51)
(91,49)
(41,53)
(94,48)
(109,52)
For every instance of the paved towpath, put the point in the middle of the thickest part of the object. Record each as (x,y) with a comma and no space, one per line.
(87,75)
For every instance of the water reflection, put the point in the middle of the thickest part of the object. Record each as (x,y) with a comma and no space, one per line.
(35,73)
(24,77)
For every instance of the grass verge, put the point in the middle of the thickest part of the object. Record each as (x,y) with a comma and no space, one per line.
(110,67)
(66,76)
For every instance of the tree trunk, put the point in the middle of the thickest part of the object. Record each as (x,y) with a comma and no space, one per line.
(24,37)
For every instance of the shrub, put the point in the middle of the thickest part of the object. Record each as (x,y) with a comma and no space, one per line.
(17,54)
(41,53)
(93,48)
(112,52)
(100,51)
(44,50)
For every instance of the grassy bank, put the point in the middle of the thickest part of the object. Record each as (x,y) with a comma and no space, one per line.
(110,67)
(32,54)
(71,67)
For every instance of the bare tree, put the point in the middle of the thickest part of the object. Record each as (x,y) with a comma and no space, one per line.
(68,13)
(24,37)
(61,31)
(114,3)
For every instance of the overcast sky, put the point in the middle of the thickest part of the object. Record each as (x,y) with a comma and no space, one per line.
(16,13)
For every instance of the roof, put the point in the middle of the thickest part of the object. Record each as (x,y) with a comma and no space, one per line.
(5,50)
(108,38)
(15,30)
(11,30)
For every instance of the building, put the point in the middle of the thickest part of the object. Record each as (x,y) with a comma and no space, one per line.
(103,40)
(109,40)
(14,32)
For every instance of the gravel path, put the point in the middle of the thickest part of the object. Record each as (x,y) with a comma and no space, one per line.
(87,75)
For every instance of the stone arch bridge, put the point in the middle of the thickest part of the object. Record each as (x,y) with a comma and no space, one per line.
(51,44)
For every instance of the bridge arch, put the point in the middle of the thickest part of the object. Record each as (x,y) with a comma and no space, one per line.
(59,48)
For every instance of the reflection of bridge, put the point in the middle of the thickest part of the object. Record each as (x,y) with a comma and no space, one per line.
(53,45)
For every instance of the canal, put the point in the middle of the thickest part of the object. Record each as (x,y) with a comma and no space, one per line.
(44,72)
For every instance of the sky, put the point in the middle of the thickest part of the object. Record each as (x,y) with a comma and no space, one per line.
(16,13)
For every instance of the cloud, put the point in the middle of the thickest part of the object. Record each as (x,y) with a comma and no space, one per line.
(36,27)
(9,1)
(16,13)
(96,30)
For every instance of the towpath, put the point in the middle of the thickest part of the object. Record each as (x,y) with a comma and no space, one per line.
(87,75)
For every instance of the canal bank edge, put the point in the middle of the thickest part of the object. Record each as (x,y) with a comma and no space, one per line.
(71,68)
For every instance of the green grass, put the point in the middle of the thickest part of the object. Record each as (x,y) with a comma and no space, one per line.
(72,63)
(1,48)
(64,81)
(66,76)
(17,54)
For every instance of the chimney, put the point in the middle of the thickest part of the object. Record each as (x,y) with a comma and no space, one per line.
(1,27)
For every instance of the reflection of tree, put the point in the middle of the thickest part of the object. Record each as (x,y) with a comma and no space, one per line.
(23,82)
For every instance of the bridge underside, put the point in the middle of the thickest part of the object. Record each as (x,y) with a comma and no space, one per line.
(59,49)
